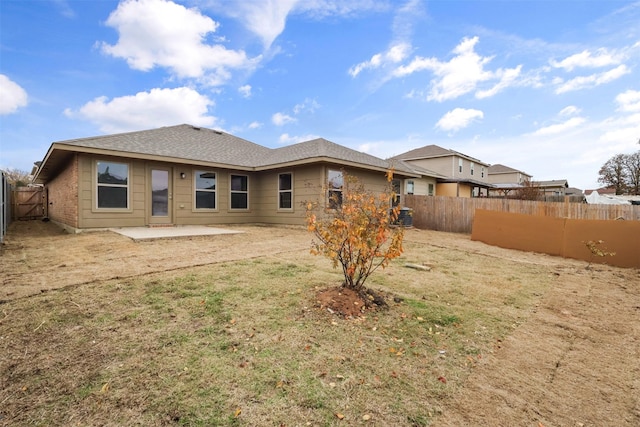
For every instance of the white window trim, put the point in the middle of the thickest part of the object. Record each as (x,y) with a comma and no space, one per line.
(231,192)
(330,190)
(196,189)
(95,207)
(285,191)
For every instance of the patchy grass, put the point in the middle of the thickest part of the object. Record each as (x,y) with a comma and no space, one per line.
(244,344)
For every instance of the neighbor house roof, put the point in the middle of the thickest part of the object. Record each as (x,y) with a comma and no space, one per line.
(189,144)
(498,169)
(555,183)
(432,151)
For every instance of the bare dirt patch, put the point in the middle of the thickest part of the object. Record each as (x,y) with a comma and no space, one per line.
(100,320)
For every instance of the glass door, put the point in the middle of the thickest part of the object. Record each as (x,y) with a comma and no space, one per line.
(160,196)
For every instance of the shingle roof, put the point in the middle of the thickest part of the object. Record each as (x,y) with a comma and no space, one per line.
(498,169)
(319,148)
(425,152)
(189,143)
(430,151)
(182,142)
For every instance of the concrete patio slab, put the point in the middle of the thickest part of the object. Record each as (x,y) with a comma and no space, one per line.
(150,233)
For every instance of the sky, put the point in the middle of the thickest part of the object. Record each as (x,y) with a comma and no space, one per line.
(547,87)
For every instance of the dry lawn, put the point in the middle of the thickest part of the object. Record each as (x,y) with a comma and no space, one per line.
(96,329)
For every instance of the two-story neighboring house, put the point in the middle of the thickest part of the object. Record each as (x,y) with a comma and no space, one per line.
(459,175)
(505,179)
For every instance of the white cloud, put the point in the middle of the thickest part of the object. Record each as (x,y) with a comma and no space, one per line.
(13,96)
(162,33)
(507,78)
(310,105)
(560,127)
(569,111)
(458,118)
(286,139)
(267,18)
(255,125)
(585,59)
(159,107)
(64,8)
(585,82)
(245,91)
(629,101)
(461,75)
(281,119)
(393,55)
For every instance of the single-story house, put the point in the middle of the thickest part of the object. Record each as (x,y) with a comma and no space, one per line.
(188,175)
(457,174)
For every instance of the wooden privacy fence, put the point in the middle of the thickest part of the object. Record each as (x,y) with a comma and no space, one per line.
(28,203)
(5,205)
(455,214)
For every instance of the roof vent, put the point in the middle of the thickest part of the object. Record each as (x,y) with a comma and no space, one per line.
(217,131)
(195,128)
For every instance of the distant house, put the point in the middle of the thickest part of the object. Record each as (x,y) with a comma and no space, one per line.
(505,179)
(187,175)
(458,175)
(556,187)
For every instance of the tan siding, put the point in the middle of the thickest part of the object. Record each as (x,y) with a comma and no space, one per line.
(90,217)
(306,187)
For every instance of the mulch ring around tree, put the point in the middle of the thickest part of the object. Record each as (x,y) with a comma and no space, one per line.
(350,303)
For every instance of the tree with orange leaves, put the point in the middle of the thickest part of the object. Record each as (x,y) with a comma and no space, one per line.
(355,230)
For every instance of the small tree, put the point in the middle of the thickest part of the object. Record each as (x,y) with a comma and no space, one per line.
(354,230)
(17,177)
(528,191)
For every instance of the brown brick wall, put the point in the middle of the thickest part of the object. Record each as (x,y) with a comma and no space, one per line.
(63,195)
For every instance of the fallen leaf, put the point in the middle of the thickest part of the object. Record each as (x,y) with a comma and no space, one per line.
(339,416)
(442,380)
(366,417)
(237,413)
(394,374)
(105,387)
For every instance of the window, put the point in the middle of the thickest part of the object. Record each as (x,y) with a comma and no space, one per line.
(471,168)
(285,191)
(112,185)
(430,190)
(239,192)
(460,165)
(410,187)
(205,189)
(335,181)
(482,172)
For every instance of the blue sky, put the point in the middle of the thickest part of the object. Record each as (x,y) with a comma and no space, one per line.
(551,88)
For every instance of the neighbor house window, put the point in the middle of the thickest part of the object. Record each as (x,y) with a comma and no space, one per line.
(471,168)
(239,192)
(460,165)
(430,190)
(112,185)
(482,171)
(205,189)
(410,187)
(335,181)
(285,191)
